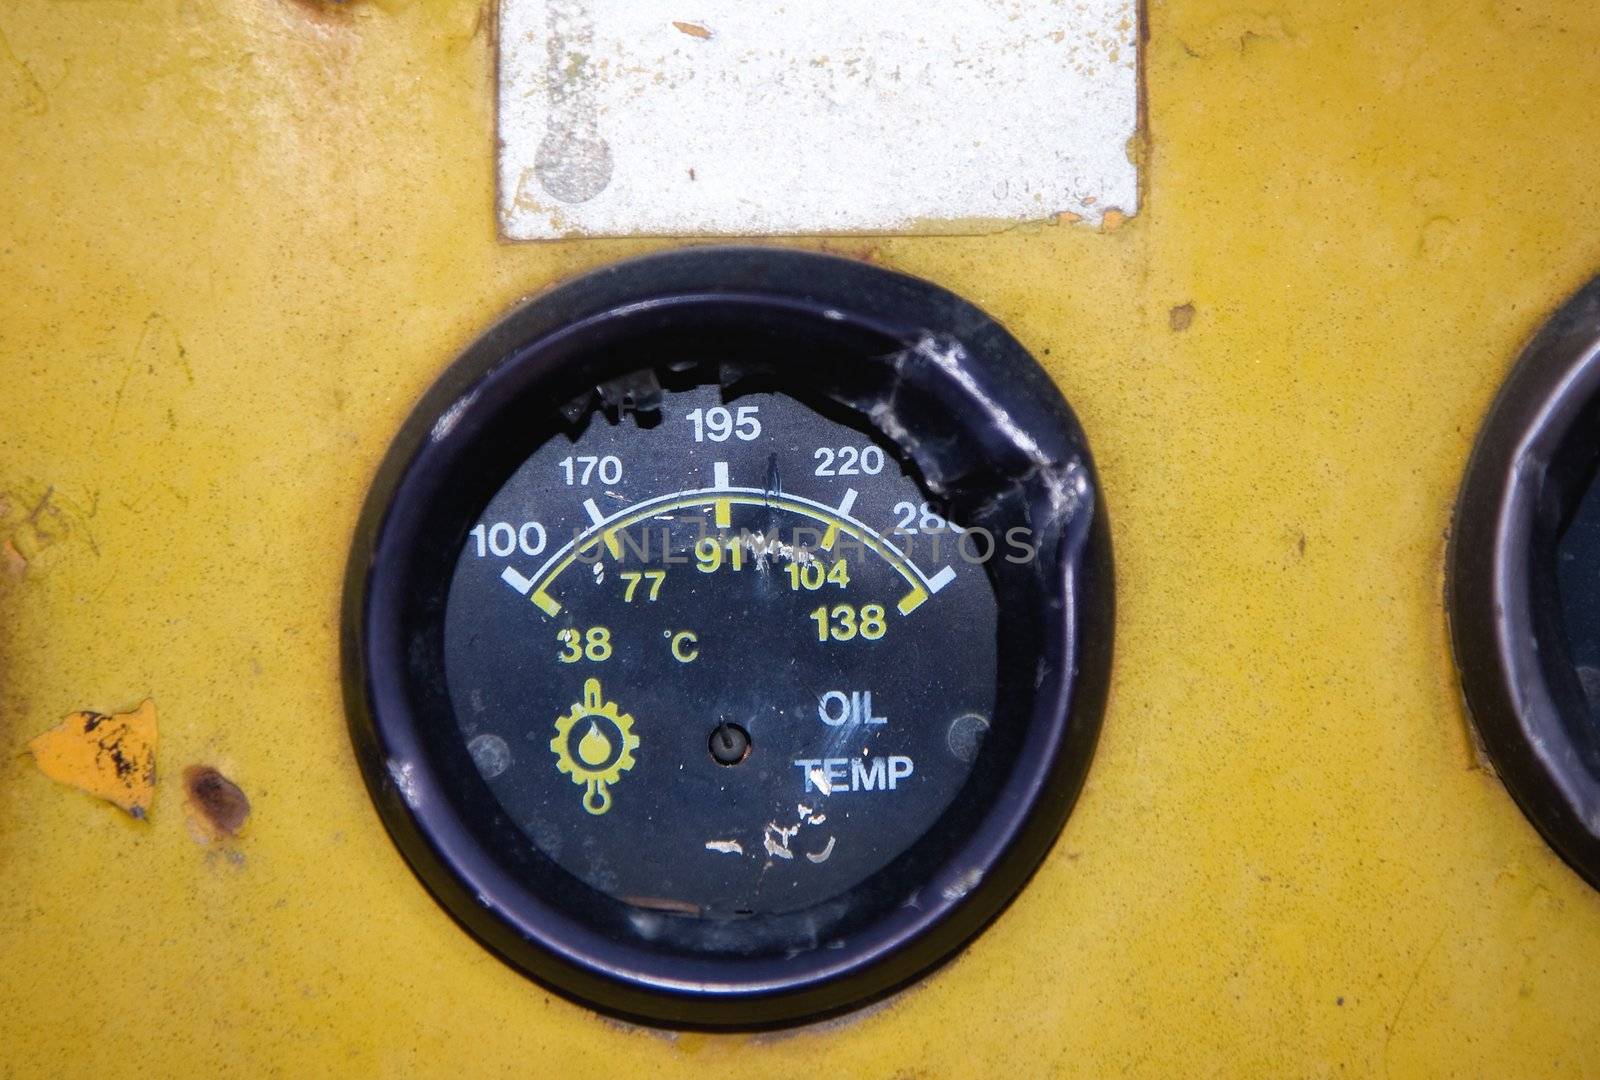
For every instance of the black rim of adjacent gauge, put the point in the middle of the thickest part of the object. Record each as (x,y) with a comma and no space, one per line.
(1534,460)
(930,375)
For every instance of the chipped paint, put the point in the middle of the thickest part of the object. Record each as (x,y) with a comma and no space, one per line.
(111,757)
(694,30)
(962,885)
(450,417)
(775,838)
(820,781)
(403,775)
(764,548)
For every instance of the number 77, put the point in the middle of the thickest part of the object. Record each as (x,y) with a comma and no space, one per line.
(633,577)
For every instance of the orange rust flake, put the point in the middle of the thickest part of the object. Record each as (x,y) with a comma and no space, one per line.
(694,30)
(113,757)
(217,807)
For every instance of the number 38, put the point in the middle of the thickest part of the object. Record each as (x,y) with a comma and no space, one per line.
(593,644)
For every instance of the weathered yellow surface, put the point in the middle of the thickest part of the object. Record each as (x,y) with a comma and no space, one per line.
(238,238)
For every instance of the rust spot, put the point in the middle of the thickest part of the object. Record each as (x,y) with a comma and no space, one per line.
(1112,221)
(694,30)
(215,803)
(1181,318)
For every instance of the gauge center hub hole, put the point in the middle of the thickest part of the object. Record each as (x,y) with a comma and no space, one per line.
(729,743)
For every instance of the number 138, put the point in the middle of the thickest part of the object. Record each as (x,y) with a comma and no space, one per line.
(845,622)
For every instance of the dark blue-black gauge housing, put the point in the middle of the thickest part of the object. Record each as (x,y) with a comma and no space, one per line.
(807,754)
(1523,582)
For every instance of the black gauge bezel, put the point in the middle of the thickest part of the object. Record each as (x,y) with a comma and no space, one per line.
(998,439)
(1534,458)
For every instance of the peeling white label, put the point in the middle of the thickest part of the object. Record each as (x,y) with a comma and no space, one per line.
(637,117)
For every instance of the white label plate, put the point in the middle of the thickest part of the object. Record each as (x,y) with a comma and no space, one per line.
(705,117)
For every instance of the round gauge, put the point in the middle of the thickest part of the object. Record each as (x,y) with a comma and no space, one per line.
(727,633)
(1524,583)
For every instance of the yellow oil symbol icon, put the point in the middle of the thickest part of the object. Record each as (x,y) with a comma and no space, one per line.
(595,754)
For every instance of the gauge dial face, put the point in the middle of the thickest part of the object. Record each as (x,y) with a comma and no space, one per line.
(727,633)
(723,656)
(1578,591)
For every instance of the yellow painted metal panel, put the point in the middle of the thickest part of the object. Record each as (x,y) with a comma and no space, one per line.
(237,240)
